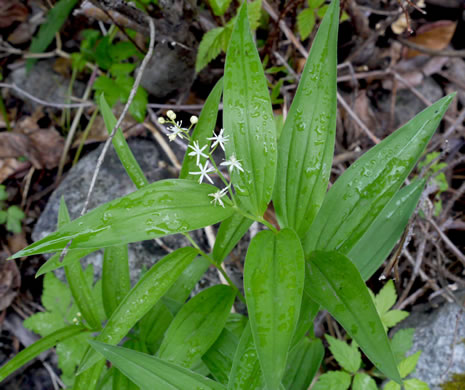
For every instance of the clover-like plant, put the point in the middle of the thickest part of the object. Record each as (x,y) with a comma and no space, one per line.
(324,248)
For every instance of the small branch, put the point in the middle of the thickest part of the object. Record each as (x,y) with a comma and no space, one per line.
(43,102)
(123,114)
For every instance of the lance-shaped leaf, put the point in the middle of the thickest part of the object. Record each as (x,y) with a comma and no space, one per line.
(308,311)
(158,209)
(197,326)
(149,372)
(116,281)
(88,380)
(306,144)
(273,283)
(38,347)
(203,130)
(220,356)
(145,294)
(304,361)
(153,325)
(378,241)
(248,119)
(229,234)
(246,372)
(179,292)
(359,195)
(54,262)
(78,284)
(122,148)
(335,283)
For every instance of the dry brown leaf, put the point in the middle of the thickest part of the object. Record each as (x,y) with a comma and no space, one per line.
(10,282)
(434,36)
(16,242)
(9,166)
(12,11)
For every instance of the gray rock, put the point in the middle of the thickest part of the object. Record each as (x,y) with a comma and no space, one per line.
(408,105)
(44,83)
(112,182)
(439,334)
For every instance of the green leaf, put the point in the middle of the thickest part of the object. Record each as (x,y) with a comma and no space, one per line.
(14,215)
(37,348)
(56,296)
(361,193)
(119,70)
(393,317)
(54,262)
(363,382)
(378,241)
(321,12)
(219,7)
(308,311)
(158,209)
(70,353)
(236,324)
(386,298)
(348,356)
(248,119)
(197,326)
(229,234)
(407,366)
(273,283)
(55,19)
(149,372)
(334,380)
(88,380)
(153,325)
(116,281)
(122,51)
(202,131)
(306,144)
(303,363)
(245,372)
(220,356)
(254,11)
(125,154)
(210,47)
(3,193)
(402,342)
(138,107)
(334,283)
(78,285)
(183,286)
(145,294)
(415,384)
(3,216)
(105,85)
(392,386)
(315,3)
(305,23)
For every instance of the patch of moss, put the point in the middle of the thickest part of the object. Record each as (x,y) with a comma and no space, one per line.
(457,383)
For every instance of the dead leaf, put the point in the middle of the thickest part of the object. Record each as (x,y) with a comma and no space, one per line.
(435,36)
(40,147)
(16,242)
(9,166)
(10,282)
(12,11)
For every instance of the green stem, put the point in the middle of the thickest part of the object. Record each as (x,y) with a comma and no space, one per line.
(85,134)
(4,114)
(267,224)
(212,262)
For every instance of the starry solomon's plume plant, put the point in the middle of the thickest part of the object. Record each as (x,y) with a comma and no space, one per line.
(326,246)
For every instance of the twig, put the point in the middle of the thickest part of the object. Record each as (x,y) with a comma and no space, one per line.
(123,114)
(74,125)
(179,107)
(432,52)
(164,145)
(458,122)
(357,120)
(43,102)
(447,241)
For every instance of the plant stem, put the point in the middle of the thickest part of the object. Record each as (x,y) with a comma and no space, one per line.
(212,262)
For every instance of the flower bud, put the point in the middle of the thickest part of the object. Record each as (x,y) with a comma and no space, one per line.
(161,120)
(170,114)
(194,119)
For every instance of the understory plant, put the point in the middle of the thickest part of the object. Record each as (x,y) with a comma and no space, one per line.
(324,247)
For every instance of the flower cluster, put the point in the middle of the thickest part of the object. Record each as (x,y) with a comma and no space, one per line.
(200,152)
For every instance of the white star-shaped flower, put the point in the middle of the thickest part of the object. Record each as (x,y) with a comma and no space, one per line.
(217,196)
(232,163)
(175,132)
(197,151)
(219,139)
(204,171)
